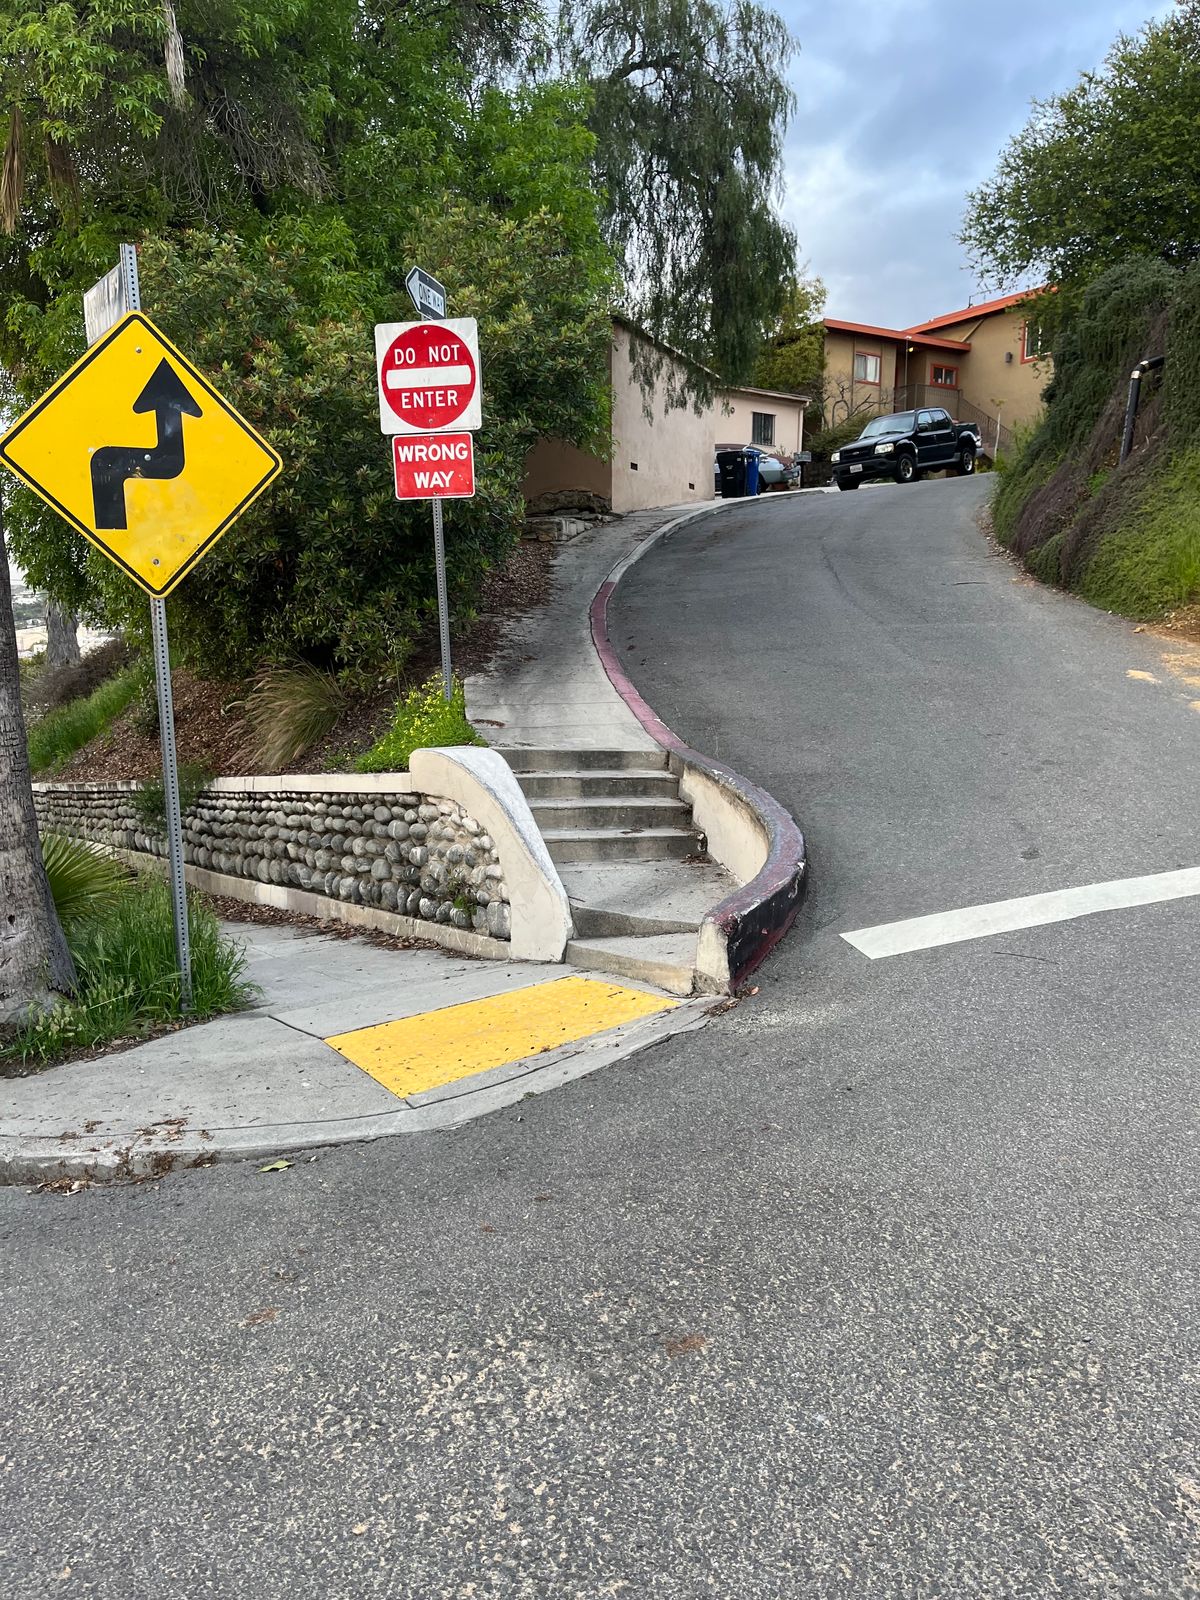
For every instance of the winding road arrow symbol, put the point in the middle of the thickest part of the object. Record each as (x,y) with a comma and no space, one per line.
(112,466)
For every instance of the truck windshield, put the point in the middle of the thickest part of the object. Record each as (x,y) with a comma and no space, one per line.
(902,422)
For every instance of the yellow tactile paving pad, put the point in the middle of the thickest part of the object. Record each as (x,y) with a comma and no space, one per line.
(438,1047)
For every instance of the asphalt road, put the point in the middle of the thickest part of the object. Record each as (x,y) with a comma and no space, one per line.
(881,1286)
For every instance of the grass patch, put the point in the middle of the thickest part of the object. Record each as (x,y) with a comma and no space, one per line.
(1045,561)
(1021,472)
(424,720)
(1152,562)
(128,981)
(290,709)
(60,733)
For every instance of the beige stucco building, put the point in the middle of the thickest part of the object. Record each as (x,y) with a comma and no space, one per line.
(662,452)
(984,363)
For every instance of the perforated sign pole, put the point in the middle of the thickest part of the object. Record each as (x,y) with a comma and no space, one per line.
(166,723)
(439,559)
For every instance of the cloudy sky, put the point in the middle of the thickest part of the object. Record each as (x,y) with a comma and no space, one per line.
(901,109)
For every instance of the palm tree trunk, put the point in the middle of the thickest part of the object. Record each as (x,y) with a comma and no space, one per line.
(35,964)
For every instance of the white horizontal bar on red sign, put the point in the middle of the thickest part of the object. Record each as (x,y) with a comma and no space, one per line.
(428,377)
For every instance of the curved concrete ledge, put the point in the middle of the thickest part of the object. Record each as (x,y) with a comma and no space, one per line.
(748,831)
(482,782)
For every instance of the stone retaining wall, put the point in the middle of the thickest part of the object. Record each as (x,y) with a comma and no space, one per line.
(416,855)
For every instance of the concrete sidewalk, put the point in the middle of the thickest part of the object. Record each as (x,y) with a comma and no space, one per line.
(351,1041)
(348,1042)
(549,690)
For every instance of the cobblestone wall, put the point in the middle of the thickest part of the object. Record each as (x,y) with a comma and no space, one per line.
(413,854)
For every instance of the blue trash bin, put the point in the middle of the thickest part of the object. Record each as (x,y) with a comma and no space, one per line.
(751,461)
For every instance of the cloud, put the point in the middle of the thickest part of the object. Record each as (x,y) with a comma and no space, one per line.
(900,111)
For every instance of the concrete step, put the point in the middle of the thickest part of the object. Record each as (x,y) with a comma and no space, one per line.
(612,898)
(601,844)
(600,922)
(666,960)
(597,785)
(522,760)
(622,815)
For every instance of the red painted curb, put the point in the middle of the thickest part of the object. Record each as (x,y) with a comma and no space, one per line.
(755,917)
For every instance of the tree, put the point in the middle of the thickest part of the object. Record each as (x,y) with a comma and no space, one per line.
(689,108)
(62,636)
(312,153)
(35,964)
(792,357)
(1106,171)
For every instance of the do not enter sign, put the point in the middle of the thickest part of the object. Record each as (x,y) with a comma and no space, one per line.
(428,375)
(434,466)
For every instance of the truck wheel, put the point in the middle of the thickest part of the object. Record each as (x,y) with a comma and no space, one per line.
(906,469)
(966,464)
(847,483)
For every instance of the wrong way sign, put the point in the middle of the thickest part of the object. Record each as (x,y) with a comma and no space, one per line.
(428,375)
(434,466)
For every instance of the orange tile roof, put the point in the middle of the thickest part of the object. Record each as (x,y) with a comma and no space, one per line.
(900,335)
(985,308)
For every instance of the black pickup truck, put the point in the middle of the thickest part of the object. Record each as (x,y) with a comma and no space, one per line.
(905,445)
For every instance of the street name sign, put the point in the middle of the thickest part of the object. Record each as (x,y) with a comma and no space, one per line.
(104,304)
(141,455)
(434,465)
(428,295)
(428,376)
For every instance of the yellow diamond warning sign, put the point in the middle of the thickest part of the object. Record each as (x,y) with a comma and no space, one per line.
(141,454)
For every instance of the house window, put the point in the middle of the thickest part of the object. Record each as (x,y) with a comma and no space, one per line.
(943,377)
(762,427)
(866,368)
(1031,342)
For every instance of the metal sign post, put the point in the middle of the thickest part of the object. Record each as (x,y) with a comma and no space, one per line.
(439,561)
(153,506)
(428,383)
(166,721)
(166,733)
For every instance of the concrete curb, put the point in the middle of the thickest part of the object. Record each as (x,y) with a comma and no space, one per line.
(157,1150)
(747,924)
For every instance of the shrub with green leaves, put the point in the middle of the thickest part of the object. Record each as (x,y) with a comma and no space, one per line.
(128,979)
(150,801)
(84,881)
(424,720)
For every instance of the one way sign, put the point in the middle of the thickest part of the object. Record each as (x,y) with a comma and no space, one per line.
(141,455)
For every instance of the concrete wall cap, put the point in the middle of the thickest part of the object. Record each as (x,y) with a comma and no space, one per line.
(482,782)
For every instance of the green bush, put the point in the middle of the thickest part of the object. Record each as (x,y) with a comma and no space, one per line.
(424,720)
(827,440)
(150,801)
(128,980)
(328,567)
(83,880)
(59,734)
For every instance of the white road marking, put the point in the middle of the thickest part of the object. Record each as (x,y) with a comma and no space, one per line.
(1030,911)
